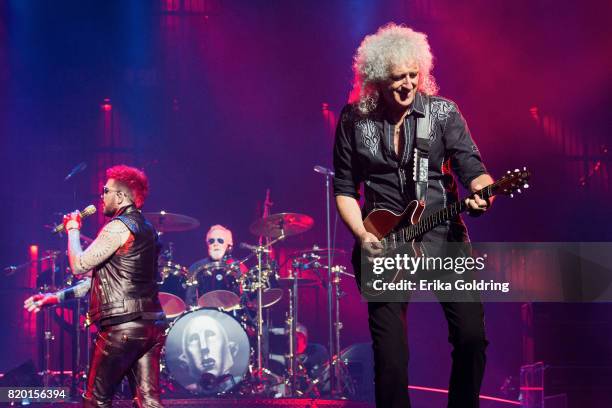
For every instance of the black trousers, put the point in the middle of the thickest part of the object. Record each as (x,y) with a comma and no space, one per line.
(129,349)
(388,329)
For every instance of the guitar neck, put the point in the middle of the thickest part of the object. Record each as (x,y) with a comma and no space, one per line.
(441,216)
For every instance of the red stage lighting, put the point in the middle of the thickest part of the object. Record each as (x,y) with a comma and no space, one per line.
(535,113)
(33,252)
(106,105)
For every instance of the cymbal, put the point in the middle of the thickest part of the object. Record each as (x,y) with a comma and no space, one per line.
(169,222)
(275,225)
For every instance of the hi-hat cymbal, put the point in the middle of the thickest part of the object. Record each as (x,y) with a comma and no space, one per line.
(286,224)
(321,252)
(169,222)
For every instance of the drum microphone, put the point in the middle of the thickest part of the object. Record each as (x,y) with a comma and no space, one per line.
(87,211)
(324,170)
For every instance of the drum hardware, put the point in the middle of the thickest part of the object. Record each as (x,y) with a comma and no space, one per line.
(340,370)
(47,335)
(168,253)
(299,383)
(345,383)
(291,323)
(259,250)
(230,269)
(169,268)
(316,252)
(259,374)
(268,274)
(288,282)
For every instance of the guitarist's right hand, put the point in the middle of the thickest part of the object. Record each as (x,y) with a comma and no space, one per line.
(371,245)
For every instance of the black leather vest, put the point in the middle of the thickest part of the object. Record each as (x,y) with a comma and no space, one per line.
(126,283)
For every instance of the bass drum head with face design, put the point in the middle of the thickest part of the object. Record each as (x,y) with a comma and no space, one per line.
(207,352)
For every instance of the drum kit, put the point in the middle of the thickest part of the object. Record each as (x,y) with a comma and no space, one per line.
(220,344)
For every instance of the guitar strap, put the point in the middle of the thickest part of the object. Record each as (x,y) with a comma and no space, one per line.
(421,153)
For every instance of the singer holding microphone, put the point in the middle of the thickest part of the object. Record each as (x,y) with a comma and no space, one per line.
(124,300)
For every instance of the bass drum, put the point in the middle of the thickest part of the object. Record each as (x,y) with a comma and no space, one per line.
(207,352)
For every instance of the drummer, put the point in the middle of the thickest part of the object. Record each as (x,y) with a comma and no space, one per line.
(218,271)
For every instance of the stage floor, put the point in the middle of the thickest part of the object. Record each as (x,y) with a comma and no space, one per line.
(235,403)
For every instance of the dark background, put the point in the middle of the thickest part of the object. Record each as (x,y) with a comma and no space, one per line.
(220,100)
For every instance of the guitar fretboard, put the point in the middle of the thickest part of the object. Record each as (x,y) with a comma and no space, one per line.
(433,220)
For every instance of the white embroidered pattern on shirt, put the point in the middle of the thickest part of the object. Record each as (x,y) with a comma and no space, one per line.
(370,135)
(441,109)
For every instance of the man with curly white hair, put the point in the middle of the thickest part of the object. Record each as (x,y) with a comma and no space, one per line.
(401,141)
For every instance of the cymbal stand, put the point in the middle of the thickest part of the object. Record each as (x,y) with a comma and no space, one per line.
(343,380)
(337,323)
(292,320)
(259,251)
(297,376)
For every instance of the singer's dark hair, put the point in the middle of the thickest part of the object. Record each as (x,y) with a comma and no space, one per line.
(135,180)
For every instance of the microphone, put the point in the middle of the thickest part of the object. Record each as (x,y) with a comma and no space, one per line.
(86,212)
(324,170)
(77,169)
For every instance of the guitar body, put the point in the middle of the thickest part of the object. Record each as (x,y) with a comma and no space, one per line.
(381,222)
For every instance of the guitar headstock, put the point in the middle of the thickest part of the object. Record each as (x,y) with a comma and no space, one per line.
(513,181)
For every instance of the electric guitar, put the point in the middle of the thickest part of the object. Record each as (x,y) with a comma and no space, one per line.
(393,229)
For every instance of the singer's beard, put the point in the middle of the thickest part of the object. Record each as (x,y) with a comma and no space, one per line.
(108,212)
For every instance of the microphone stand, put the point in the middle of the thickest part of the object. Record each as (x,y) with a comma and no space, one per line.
(76,362)
(330,327)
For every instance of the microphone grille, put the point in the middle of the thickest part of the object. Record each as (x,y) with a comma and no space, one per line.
(89,210)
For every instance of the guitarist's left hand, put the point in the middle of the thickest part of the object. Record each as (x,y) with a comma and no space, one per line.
(476,205)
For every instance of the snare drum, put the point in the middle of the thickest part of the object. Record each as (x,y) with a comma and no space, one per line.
(207,352)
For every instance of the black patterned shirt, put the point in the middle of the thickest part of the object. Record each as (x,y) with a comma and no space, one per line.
(364,154)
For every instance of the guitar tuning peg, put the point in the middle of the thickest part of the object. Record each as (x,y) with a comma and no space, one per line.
(525,185)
